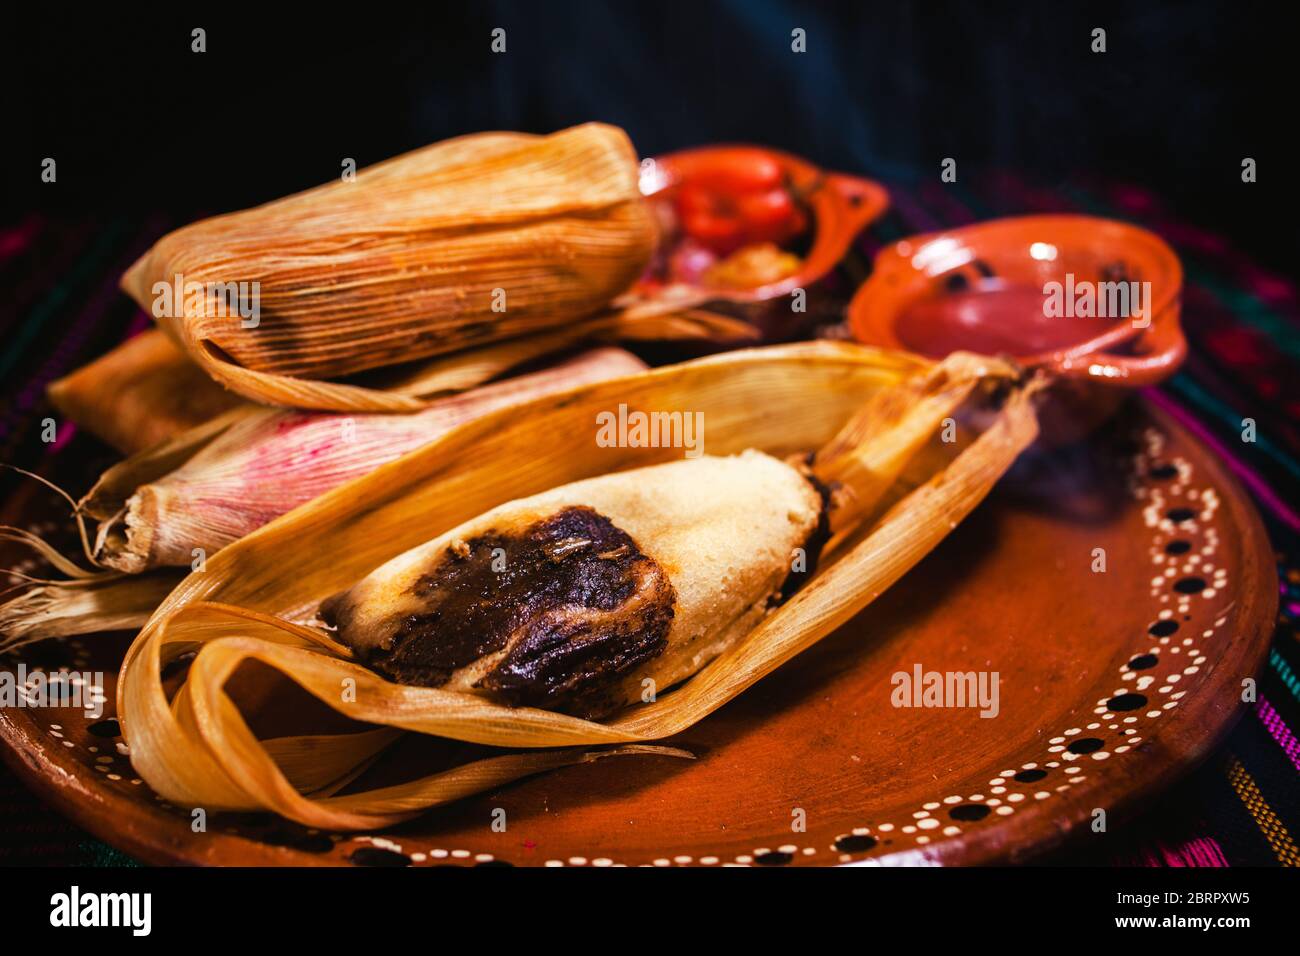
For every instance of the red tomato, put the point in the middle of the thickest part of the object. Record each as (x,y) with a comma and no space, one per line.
(736,169)
(771,216)
(732,197)
(695,199)
(721,235)
(709,218)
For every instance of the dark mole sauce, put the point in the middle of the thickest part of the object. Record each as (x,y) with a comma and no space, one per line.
(573,596)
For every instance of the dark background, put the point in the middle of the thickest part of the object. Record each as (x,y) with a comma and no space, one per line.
(1183,93)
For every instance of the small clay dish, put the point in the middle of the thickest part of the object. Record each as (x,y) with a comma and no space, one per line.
(1022,287)
(831,209)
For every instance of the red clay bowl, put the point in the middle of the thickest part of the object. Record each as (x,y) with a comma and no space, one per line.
(989,288)
(837,208)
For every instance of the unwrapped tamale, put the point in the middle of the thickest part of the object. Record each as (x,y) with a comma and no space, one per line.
(573,599)
(587,579)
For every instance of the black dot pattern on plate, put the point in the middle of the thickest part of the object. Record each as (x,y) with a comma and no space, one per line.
(773,858)
(1179,515)
(1189,585)
(1123,702)
(106,728)
(1030,776)
(1143,662)
(855,843)
(1163,628)
(969,812)
(1085,745)
(1164,472)
(1178,546)
(378,856)
(956,282)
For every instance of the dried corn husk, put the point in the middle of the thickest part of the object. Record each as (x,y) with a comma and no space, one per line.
(411,260)
(187,498)
(269,461)
(104,602)
(257,597)
(139,394)
(403,391)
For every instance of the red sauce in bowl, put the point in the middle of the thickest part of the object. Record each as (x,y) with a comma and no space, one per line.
(992,318)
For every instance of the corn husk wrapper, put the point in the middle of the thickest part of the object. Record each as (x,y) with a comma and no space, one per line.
(174,504)
(257,597)
(92,605)
(458,246)
(141,393)
(269,461)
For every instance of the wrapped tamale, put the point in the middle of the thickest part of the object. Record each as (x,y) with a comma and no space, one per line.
(139,394)
(179,503)
(459,245)
(571,600)
(269,461)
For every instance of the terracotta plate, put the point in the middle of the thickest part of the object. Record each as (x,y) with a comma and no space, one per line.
(1112,683)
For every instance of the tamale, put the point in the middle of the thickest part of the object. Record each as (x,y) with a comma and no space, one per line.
(213,484)
(268,462)
(584,598)
(195,746)
(573,599)
(140,393)
(458,245)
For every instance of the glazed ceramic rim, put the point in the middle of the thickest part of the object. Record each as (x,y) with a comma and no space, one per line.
(875,306)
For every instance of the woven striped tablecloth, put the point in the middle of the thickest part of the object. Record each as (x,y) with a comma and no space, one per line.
(61,307)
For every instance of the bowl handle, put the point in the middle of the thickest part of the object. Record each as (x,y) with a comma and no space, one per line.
(858,202)
(1163,350)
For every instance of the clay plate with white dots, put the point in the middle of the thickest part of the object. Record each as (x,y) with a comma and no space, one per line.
(1112,683)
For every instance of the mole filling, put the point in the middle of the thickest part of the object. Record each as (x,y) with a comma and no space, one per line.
(573,598)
